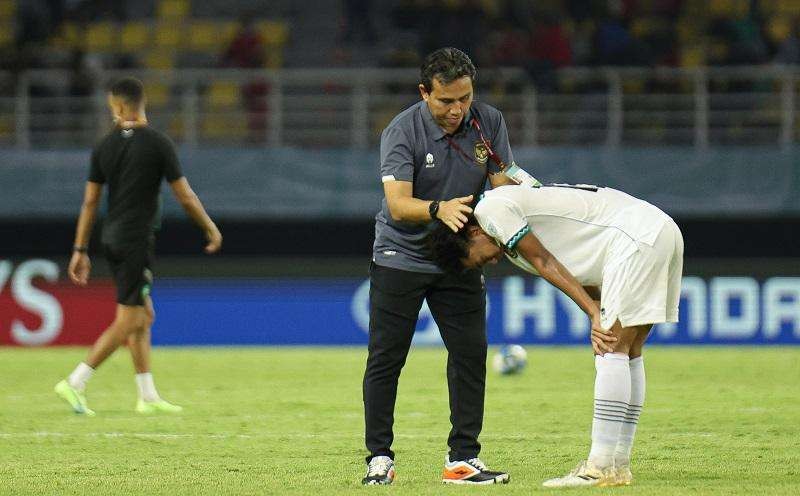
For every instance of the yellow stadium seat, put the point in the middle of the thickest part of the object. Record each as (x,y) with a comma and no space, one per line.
(273,32)
(227,125)
(223,94)
(157,93)
(693,57)
(205,36)
(101,37)
(159,59)
(273,59)
(778,29)
(687,32)
(6,34)
(173,9)
(167,35)
(69,35)
(789,7)
(227,31)
(135,36)
(8,9)
(632,86)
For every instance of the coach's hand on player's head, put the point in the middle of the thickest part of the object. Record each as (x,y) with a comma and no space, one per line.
(601,337)
(79,268)
(454,212)
(214,238)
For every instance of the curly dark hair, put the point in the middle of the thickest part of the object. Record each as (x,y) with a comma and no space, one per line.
(446,65)
(448,248)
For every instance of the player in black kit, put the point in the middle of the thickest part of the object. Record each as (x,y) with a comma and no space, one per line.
(132,160)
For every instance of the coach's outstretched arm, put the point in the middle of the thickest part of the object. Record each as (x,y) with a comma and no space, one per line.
(405,208)
(548,266)
(191,204)
(79,264)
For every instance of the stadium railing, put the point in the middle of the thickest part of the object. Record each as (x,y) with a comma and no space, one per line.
(347,108)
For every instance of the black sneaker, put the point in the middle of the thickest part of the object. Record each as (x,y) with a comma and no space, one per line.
(471,471)
(380,471)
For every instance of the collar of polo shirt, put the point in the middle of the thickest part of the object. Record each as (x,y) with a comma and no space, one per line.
(434,130)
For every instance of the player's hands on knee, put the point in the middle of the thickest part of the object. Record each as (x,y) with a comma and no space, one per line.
(79,268)
(214,238)
(601,338)
(454,212)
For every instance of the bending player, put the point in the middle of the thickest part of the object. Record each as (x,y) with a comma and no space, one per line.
(132,159)
(576,236)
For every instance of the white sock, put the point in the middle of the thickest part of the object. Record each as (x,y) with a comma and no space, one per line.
(146,386)
(612,392)
(80,376)
(622,455)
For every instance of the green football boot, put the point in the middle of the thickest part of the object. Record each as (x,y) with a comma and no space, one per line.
(75,398)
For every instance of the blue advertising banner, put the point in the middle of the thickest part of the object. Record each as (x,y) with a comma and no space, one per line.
(719,310)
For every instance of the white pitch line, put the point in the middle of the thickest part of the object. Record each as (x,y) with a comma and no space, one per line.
(175,436)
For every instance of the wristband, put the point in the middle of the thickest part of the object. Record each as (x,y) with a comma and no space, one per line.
(433,208)
(80,249)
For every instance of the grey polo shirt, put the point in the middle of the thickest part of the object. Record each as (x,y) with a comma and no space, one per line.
(414,148)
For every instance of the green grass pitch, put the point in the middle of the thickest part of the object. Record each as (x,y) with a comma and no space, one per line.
(289,421)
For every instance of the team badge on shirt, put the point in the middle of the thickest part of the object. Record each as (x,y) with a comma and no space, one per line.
(481,153)
(429,161)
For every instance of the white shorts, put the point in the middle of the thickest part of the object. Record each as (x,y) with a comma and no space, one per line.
(645,288)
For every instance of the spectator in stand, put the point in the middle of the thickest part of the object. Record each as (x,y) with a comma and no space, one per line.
(246,51)
(550,43)
(789,49)
(550,49)
(247,48)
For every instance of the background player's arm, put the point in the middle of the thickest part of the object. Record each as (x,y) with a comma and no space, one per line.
(79,264)
(548,266)
(405,208)
(191,204)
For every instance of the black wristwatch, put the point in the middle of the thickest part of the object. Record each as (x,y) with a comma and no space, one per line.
(433,208)
(80,249)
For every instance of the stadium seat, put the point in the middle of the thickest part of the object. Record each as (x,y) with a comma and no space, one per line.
(633,86)
(205,36)
(224,125)
(693,57)
(6,33)
(168,34)
(8,9)
(227,31)
(135,36)
(273,33)
(159,59)
(788,7)
(223,94)
(273,59)
(172,9)
(7,125)
(158,93)
(101,37)
(69,35)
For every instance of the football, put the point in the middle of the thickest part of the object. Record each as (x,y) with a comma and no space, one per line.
(510,359)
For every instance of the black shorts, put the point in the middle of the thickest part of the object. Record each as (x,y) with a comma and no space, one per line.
(131,267)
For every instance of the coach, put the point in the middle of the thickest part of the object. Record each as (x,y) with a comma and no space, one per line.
(434,162)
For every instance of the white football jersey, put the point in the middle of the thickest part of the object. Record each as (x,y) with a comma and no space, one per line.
(585,227)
